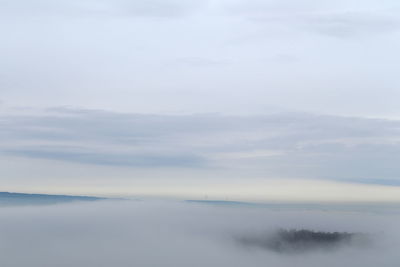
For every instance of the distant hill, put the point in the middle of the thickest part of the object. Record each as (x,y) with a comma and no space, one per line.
(10,199)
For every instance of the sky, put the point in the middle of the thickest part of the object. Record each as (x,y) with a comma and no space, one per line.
(233,99)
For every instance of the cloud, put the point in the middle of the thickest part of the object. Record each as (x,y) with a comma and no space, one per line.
(339,20)
(348,25)
(198,62)
(342,19)
(168,234)
(292,145)
(113,159)
(200,56)
(102,8)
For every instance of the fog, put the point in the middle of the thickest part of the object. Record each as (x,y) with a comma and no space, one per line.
(169,233)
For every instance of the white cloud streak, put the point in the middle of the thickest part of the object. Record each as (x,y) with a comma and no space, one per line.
(290,145)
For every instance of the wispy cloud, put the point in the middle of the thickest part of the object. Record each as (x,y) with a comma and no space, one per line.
(282,144)
(348,24)
(102,8)
(114,159)
(339,19)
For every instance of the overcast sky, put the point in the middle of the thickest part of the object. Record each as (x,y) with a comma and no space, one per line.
(166,96)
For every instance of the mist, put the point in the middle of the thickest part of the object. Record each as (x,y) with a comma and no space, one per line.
(171,233)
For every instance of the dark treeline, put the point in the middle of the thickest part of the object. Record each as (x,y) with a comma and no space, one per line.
(298,240)
(294,236)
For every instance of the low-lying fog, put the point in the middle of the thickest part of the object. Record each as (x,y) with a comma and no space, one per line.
(148,233)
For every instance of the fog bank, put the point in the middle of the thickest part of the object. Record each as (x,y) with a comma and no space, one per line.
(146,233)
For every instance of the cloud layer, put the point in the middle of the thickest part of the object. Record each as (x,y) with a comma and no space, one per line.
(144,233)
(179,56)
(291,145)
